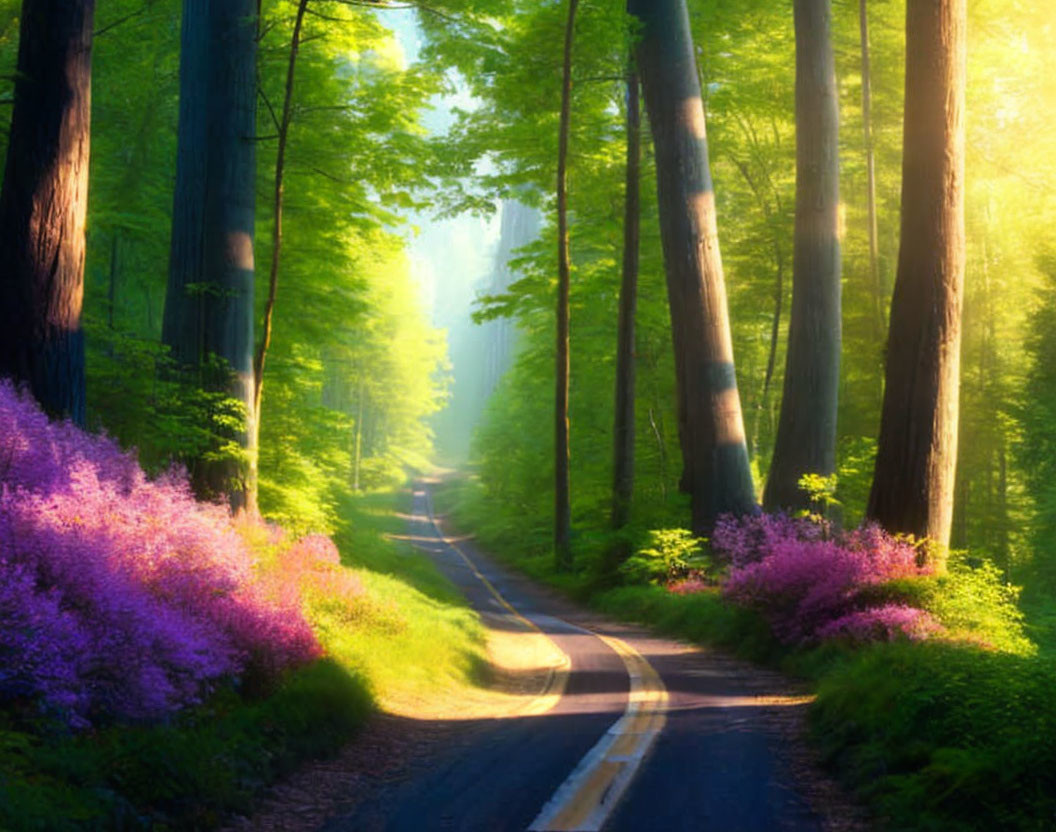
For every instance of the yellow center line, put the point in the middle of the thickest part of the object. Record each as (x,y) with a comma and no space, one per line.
(557,674)
(592,791)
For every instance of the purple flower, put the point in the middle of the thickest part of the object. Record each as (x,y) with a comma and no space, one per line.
(122,597)
(884,623)
(805,580)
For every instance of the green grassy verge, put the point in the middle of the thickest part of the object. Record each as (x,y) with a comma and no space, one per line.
(932,736)
(186,775)
(408,635)
(418,637)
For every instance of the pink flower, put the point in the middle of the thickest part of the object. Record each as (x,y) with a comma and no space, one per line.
(884,623)
(122,597)
(690,586)
(802,582)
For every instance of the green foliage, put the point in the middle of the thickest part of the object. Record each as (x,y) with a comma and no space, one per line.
(671,555)
(821,490)
(943,737)
(187,774)
(701,616)
(418,639)
(973,601)
(410,637)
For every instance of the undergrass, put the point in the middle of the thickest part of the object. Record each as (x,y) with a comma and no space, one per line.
(943,736)
(185,775)
(409,636)
(419,637)
(955,735)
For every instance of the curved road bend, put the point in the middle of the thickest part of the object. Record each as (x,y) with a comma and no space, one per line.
(690,743)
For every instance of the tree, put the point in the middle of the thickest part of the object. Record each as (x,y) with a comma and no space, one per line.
(181,325)
(806,434)
(714,453)
(913,482)
(209,305)
(43,204)
(623,432)
(562,497)
(276,254)
(870,165)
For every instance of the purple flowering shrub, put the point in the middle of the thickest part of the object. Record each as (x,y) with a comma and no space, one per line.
(744,540)
(814,584)
(310,569)
(122,597)
(884,623)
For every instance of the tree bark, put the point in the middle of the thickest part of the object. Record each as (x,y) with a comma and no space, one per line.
(623,432)
(43,203)
(913,483)
(276,250)
(562,496)
(806,430)
(357,452)
(209,305)
(181,328)
(711,427)
(230,211)
(870,171)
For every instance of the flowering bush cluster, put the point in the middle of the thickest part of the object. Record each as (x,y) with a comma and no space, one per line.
(310,569)
(745,540)
(122,597)
(812,584)
(881,623)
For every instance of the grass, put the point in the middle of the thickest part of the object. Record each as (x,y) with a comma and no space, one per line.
(409,637)
(185,775)
(953,735)
(419,639)
(944,736)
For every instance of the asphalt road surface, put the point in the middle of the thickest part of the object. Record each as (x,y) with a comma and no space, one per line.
(648,733)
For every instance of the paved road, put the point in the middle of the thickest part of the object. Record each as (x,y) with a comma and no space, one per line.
(714,738)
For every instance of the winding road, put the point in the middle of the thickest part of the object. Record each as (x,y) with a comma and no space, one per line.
(637,732)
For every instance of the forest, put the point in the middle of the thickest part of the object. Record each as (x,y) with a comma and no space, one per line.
(355,353)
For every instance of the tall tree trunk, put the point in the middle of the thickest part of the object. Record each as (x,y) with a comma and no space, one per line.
(276,251)
(181,328)
(711,427)
(562,496)
(230,210)
(357,458)
(917,453)
(209,304)
(806,430)
(623,433)
(870,171)
(771,357)
(43,203)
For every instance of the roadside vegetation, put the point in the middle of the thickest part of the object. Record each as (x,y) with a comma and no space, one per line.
(162,663)
(933,700)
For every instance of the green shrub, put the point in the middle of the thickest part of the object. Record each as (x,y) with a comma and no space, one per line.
(671,555)
(184,775)
(973,602)
(944,736)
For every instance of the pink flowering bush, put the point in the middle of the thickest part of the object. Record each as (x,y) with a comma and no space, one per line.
(812,584)
(885,623)
(689,586)
(122,597)
(744,540)
(311,568)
